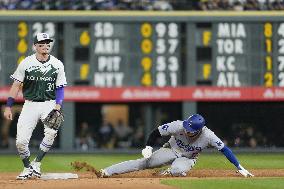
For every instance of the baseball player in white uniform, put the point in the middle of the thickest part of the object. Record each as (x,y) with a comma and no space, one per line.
(42,79)
(187,139)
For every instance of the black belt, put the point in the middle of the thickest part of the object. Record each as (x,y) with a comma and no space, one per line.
(39,100)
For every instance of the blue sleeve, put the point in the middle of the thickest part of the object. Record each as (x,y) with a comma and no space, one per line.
(230,156)
(59,95)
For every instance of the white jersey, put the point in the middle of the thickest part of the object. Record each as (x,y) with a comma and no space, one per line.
(40,79)
(182,144)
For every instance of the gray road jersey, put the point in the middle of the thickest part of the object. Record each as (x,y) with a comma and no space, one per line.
(40,79)
(181,143)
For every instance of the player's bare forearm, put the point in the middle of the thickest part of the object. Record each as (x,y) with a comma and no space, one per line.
(12,95)
(15,88)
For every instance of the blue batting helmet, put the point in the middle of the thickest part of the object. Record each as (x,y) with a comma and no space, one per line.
(194,123)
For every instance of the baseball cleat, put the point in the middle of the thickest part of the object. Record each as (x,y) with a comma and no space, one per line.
(25,174)
(166,172)
(36,169)
(102,174)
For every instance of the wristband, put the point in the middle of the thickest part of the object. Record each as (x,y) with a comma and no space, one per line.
(59,95)
(10,102)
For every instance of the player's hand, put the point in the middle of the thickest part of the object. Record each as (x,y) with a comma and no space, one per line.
(57,107)
(244,172)
(147,152)
(8,113)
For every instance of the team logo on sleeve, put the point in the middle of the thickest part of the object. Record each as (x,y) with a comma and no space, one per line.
(165,127)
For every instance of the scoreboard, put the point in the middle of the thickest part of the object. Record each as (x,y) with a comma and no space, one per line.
(136,54)
(124,53)
(164,53)
(242,53)
(155,49)
(249,54)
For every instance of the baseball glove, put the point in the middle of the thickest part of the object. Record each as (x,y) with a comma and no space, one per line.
(54,119)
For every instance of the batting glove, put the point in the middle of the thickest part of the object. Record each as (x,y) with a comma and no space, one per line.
(244,172)
(147,152)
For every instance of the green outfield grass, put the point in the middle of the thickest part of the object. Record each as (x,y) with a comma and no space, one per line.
(60,163)
(241,183)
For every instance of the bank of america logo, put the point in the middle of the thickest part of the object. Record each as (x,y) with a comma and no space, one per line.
(268,93)
(127,94)
(198,94)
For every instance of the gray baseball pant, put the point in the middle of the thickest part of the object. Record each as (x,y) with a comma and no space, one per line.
(163,156)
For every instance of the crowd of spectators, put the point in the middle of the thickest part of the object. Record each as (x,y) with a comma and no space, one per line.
(109,136)
(120,135)
(246,135)
(165,5)
(85,5)
(241,5)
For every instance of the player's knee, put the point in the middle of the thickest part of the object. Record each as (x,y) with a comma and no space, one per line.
(50,133)
(178,171)
(22,144)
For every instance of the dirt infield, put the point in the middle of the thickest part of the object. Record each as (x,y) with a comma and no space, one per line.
(137,180)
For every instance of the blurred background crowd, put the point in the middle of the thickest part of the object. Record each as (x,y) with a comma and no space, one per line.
(165,5)
(109,135)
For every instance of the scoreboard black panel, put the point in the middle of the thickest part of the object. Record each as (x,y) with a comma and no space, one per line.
(230,61)
(16,43)
(162,50)
(243,53)
(136,54)
(1,55)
